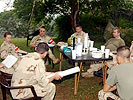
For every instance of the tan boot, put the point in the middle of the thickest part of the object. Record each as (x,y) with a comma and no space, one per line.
(56,61)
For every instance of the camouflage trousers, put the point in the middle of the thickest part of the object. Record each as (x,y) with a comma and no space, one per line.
(97,66)
(46,95)
(104,95)
(51,56)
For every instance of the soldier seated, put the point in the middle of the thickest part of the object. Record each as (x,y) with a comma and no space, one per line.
(120,78)
(42,37)
(7,48)
(32,71)
(111,44)
(78,34)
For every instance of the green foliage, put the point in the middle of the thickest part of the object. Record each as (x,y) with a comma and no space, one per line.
(42,9)
(124,23)
(94,25)
(103,7)
(20,42)
(62,28)
(23,8)
(127,35)
(129,5)
(9,22)
(94,14)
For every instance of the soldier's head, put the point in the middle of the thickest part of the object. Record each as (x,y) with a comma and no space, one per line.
(7,37)
(117,32)
(123,54)
(42,48)
(78,28)
(42,31)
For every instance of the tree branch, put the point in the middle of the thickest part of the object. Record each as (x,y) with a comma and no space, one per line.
(61,10)
(31,15)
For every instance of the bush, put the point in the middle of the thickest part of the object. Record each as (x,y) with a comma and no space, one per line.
(94,25)
(124,23)
(127,29)
(127,35)
(62,28)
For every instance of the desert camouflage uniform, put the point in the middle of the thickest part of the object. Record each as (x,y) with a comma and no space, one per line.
(31,71)
(103,95)
(111,44)
(37,39)
(9,49)
(78,35)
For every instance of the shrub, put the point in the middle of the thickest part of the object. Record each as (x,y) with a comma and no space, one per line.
(127,35)
(124,23)
(62,28)
(94,25)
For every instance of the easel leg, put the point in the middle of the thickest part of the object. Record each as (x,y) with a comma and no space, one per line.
(79,74)
(104,71)
(61,59)
(75,86)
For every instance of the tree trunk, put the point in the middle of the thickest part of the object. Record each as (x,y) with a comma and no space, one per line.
(74,14)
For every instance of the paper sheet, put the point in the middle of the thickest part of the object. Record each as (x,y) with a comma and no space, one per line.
(66,72)
(9,61)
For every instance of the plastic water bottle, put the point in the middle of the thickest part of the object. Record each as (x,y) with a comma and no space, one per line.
(72,41)
(78,48)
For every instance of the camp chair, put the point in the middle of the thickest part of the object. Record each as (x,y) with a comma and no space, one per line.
(6,86)
(8,79)
(109,98)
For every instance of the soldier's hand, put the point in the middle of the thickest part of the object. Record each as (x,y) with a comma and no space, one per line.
(57,76)
(1,65)
(4,57)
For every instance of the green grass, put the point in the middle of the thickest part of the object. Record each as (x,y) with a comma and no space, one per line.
(88,87)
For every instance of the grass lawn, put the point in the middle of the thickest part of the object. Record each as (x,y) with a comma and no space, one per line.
(88,87)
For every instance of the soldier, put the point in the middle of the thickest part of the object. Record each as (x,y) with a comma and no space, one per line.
(120,78)
(8,48)
(78,34)
(44,38)
(32,71)
(111,44)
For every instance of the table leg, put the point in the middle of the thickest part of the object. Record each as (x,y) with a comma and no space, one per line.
(79,74)
(75,86)
(61,59)
(104,71)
